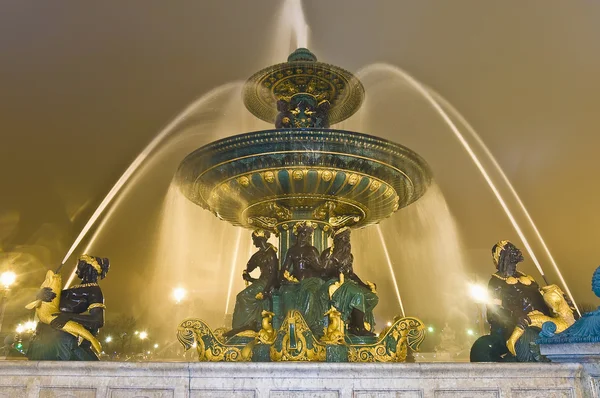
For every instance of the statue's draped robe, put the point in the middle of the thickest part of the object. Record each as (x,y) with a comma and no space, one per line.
(248,309)
(351,294)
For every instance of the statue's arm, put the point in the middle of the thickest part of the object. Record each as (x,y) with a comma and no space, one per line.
(93,320)
(251,266)
(273,279)
(286,264)
(316,259)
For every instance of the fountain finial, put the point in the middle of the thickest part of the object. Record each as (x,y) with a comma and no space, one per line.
(303,86)
(302,54)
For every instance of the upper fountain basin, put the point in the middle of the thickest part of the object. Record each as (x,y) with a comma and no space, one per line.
(272,178)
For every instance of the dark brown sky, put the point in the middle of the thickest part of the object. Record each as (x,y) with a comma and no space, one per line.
(85,86)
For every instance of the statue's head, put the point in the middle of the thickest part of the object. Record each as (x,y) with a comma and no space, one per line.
(342,236)
(259,236)
(90,268)
(303,231)
(283,106)
(506,256)
(596,282)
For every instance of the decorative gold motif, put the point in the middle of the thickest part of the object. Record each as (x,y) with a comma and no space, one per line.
(374,185)
(244,181)
(269,176)
(562,315)
(499,247)
(404,333)
(334,333)
(303,224)
(323,211)
(295,342)
(91,261)
(268,223)
(353,179)
(297,175)
(267,334)
(209,344)
(84,285)
(259,233)
(511,280)
(96,305)
(282,213)
(290,277)
(341,221)
(327,175)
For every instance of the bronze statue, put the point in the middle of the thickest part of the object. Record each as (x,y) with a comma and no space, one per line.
(516,311)
(81,304)
(301,279)
(354,298)
(254,299)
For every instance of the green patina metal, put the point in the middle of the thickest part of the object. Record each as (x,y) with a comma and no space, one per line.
(304,171)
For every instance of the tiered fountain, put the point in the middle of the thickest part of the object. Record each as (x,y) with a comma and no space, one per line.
(302,172)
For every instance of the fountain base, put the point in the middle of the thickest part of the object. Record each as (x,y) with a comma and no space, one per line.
(293,341)
(344,380)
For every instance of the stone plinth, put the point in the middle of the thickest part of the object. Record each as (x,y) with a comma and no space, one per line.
(196,380)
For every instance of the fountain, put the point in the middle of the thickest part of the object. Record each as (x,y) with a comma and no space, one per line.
(303,173)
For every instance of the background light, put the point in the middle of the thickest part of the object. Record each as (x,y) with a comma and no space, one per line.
(470,332)
(143,335)
(430,329)
(179,294)
(108,339)
(7,279)
(479,293)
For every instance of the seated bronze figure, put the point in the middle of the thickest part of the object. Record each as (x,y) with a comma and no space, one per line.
(354,299)
(254,299)
(81,304)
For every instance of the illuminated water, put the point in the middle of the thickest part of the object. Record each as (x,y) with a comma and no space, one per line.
(416,257)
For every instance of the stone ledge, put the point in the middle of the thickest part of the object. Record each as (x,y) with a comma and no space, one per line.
(176,379)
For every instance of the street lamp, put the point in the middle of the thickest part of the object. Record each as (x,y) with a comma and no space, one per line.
(7,278)
(179,294)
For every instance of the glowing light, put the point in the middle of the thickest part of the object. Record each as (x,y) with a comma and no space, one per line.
(155,345)
(147,352)
(136,332)
(389,323)
(194,345)
(108,339)
(7,279)
(470,332)
(143,335)
(430,329)
(479,293)
(389,261)
(20,329)
(179,294)
(30,326)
